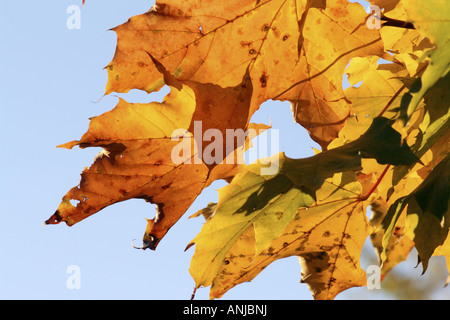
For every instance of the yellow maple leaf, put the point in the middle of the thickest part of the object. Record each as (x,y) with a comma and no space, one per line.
(327,237)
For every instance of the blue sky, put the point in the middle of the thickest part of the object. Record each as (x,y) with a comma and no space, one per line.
(51,81)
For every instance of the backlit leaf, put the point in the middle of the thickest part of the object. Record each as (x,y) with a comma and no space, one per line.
(267,204)
(384,140)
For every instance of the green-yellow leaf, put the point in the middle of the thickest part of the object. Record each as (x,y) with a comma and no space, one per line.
(432,19)
(267,204)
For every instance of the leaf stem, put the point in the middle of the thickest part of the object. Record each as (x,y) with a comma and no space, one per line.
(391,100)
(375,186)
(396,23)
(193,293)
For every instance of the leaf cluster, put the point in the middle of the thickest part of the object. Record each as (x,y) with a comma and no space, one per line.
(385,143)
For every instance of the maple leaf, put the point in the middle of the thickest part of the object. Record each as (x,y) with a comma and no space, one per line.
(137,158)
(384,143)
(267,204)
(384,85)
(181,44)
(329,257)
(433,139)
(427,216)
(432,24)
(187,38)
(397,248)
(380,91)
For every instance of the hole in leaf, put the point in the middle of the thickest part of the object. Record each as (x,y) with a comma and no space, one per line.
(356,85)
(74,202)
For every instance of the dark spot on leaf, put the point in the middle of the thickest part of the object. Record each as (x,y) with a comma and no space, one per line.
(246,43)
(166,186)
(320,57)
(263,80)
(276,31)
(321,255)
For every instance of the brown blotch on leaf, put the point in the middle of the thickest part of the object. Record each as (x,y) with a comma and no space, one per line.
(263,80)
